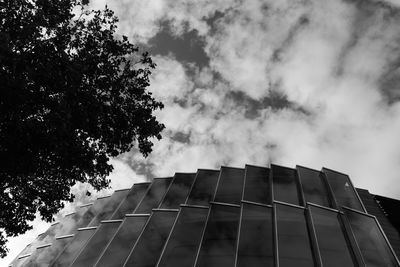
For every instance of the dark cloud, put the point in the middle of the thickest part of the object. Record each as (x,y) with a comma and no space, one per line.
(187,47)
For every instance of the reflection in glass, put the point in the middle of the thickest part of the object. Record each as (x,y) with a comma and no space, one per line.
(178,190)
(374,248)
(47,254)
(92,250)
(230,185)
(131,201)
(118,249)
(294,248)
(149,245)
(219,242)
(256,237)
(284,184)
(185,238)
(333,246)
(313,186)
(257,188)
(153,196)
(343,190)
(109,208)
(71,251)
(203,188)
(93,210)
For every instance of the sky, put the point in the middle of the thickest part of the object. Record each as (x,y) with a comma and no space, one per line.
(309,82)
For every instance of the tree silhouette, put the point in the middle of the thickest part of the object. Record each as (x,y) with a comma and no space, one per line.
(72,95)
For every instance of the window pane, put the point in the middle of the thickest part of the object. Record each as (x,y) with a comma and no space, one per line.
(149,245)
(109,208)
(333,246)
(203,188)
(373,246)
(284,184)
(122,243)
(185,238)
(32,260)
(256,237)
(94,209)
(49,253)
(294,247)
(230,185)
(71,251)
(313,186)
(131,201)
(93,249)
(219,242)
(343,190)
(153,196)
(257,188)
(178,190)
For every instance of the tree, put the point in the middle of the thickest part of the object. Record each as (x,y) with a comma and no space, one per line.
(72,95)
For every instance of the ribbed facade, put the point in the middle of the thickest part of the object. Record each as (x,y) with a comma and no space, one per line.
(255,216)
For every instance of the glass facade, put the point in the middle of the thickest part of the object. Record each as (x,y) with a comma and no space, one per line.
(203,188)
(285,185)
(256,216)
(230,185)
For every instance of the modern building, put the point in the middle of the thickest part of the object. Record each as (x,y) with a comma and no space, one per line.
(255,216)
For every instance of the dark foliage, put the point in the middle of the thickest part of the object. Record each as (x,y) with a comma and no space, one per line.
(72,95)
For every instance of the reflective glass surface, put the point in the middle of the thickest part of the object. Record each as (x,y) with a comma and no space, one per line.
(120,246)
(203,188)
(131,201)
(257,188)
(219,242)
(230,185)
(343,191)
(47,254)
(373,246)
(153,196)
(109,208)
(93,210)
(294,248)
(73,248)
(313,186)
(333,245)
(150,243)
(178,190)
(256,237)
(284,184)
(93,249)
(185,238)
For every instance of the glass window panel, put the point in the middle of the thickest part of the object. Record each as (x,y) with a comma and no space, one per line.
(185,238)
(131,201)
(374,248)
(284,184)
(118,250)
(256,237)
(32,260)
(313,186)
(46,255)
(149,245)
(219,242)
(257,188)
(109,208)
(230,185)
(294,248)
(333,246)
(153,196)
(93,249)
(94,209)
(178,190)
(343,190)
(71,251)
(203,188)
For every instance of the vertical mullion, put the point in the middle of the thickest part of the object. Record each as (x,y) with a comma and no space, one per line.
(311,228)
(275,229)
(238,233)
(202,237)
